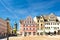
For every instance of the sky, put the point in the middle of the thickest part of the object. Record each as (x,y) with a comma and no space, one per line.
(16,10)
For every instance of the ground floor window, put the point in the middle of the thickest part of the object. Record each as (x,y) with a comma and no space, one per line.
(33,33)
(25,33)
(37,33)
(54,32)
(59,32)
(29,33)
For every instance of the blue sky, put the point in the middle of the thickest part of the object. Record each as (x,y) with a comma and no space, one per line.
(20,9)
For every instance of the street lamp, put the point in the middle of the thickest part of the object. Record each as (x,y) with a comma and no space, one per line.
(7,20)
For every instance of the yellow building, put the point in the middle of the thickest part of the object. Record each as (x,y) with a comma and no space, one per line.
(40,24)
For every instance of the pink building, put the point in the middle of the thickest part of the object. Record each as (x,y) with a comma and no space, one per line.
(28,26)
(3,27)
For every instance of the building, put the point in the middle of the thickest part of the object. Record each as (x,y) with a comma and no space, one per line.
(28,26)
(47,24)
(40,24)
(52,24)
(3,28)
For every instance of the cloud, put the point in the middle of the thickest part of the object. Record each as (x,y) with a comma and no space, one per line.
(32,6)
(2,2)
(15,9)
(7,8)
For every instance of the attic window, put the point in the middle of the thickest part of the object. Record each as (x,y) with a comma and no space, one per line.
(45,20)
(56,20)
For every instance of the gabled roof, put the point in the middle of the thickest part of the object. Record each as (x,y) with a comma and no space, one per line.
(27,20)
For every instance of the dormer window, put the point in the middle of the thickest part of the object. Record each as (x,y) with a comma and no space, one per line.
(45,20)
(56,20)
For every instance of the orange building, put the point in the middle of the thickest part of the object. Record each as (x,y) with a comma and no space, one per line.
(28,26)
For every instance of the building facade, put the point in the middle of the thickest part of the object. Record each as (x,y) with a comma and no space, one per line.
(40,24)
(47,24)
(52,24)
(28,26)
(3,28)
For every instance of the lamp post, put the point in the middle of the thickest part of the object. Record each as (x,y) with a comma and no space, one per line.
(7,20)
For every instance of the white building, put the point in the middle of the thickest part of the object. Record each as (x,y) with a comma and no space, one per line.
(51,23)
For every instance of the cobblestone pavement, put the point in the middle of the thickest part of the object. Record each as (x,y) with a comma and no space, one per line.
(57,37)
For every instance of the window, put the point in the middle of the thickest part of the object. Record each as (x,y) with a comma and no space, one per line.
(54,27)
(41,24)
(45,20)
(49,27)
(25,33)
(47,23)
(37,33)
(33,28)
(25,25)
(57,23)
(26,28)
(29,33)
(30,28)
(38,24)
(33,33)
(38,21)
(56,20)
